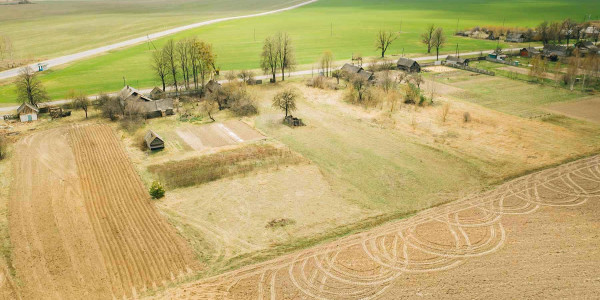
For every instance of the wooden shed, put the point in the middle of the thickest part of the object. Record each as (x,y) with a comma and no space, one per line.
(28,112)
(408,65)
(154,141)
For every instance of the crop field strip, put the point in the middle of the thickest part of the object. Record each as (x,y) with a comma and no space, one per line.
(140,249)
(365,265)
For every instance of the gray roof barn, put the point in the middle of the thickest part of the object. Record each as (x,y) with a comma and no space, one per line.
(27,108)
(408,65)
(351,69)
(156,93)
(457,60)
(130,93)
(154,141)
(212,86)
(157,108)
(515,37)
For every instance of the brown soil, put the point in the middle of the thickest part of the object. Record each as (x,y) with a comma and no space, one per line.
(533,237)
(81,223)
(218,134)
(588,110)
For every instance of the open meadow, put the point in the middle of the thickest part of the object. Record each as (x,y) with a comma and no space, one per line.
(344,27)
(453,180)
(50,28)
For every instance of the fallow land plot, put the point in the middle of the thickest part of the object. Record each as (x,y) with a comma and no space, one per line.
(533,237)
(216,135)
(81,222)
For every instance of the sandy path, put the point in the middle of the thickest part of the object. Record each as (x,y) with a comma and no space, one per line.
(427,254)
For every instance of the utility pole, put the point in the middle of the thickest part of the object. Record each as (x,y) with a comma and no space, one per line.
(331,29)
(124,82)
(400,25)
(457,21)
(255,34)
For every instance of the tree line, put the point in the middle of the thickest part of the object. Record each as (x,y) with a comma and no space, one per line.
(566,30)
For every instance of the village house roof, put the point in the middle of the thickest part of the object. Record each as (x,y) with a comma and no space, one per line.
(153,140)
(366,74)
(351,69)
(156,93)
(157,105)
(130,93)
(212,86)
(555,49)
(26,107)
(455,59)
(406,62)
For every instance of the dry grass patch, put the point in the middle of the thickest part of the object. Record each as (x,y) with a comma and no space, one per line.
(199,170)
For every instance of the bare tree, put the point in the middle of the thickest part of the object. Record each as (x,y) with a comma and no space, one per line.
(182,48)
(110,106)
(269,57)
(159,65)
(359,86)
(286,100)
(438,41)
(285,53)
(79,101)
(427,37)
(209,107)
(170,55)
(570,28)
(538,68)
(29,88)
(245,75)
(555,32)
(326,62)
(205,61)
(384,40)
(543,32)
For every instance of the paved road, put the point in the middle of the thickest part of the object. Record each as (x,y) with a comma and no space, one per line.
(9,109)
(85,54)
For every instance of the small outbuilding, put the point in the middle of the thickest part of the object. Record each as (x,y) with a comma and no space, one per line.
(157,108)
(408,65)
(529,52)
(212,86)
(157,93)
(28,112)
(128,93)
(586,47)
(457,60)
(349,70)
(154,141)
(554,52)
(516,37)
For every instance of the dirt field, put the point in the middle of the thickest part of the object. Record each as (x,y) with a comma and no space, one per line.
(533,237)
(231,215)
(588,110)
(81,223)
(218,135)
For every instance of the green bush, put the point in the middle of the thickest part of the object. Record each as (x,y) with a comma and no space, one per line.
(156,190)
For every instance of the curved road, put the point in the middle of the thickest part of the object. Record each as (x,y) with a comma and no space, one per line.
(80,55)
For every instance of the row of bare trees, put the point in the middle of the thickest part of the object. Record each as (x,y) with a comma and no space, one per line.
(278,55)
(434,38)
(566,30)
(188,63)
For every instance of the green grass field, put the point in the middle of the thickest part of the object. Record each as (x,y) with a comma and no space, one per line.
(51,28)
(354,24)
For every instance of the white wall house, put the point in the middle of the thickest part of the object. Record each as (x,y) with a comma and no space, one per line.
(28,112)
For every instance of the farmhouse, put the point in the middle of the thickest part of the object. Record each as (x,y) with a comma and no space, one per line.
(129,93)
(212,86)
(457,60)
(28,112)
(516,37)
(554,52)
(154,141)
(529,52)
(408,65)
(349,70)
(156,93)
(586,47)
(157,108)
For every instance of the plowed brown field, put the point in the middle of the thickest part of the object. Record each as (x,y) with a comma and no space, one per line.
(533,237)
(81,222)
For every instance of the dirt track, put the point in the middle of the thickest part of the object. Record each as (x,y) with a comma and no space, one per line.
(533,237)
(81,223)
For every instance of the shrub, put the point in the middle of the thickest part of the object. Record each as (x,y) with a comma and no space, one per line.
(467,117)
(2,147)
(156,190)
(445,112)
